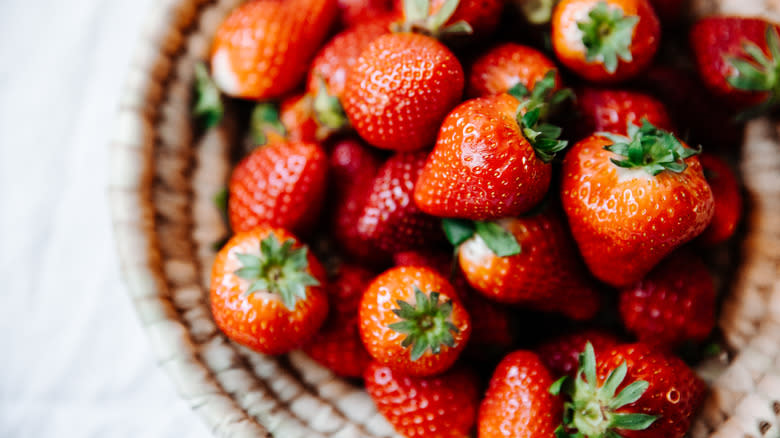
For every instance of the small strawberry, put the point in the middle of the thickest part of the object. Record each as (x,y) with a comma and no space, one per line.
(675,302)
(561,354)
(293,121)
(262,49)
(630,391)
(282,184)
(728,200)
(738,59)
(613,110)
(265,291)
(354,12)
(504,66)
(481,16)
(605,40)
(412,320)
(390,220)
(632,200)
(443,406)
(517,403)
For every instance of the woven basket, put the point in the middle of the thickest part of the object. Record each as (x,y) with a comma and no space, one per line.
(165,175)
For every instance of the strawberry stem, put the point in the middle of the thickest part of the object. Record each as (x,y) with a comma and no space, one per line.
(427,323)
(208,101)
(496,238)
(328,110)
(607,35)
(756,72)
(418,18)
(649,148)
(265,119)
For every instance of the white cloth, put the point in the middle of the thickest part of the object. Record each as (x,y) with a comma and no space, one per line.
(74,361)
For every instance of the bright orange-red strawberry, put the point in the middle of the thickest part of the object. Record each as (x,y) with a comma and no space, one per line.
(738,59)
(337,345)
(504,66)
(263,48)
(674,303)
(265,291)
(605,40)
(443,406)
(390,220)
(354,12)
(282,184)
(728,200)
(400,89)
(632,200)
(517,403)
(612,110)
(412,320)
(482,16)
(631,391)
(561,354)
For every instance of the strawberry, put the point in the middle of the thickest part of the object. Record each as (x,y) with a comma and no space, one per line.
(282,184)
(492,160)
(504,66)
(613,110)
(390,220)
(630,391)
(561,354)
(443,406)
(412,320)
(263,48)
(481,16)
(337,346)
(632,200)
(517,403)
(728,200)
(737,59)
(605,40)
(354,12)
(675,302)
(293,121)
(265,291)
(400,89)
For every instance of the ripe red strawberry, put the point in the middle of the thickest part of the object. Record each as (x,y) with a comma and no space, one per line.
(282,184)
(491,160)
(504,66)
(632,200)
(630,391)
(337,345)
(612,110)
(674,303)
(728,200)
(354,12)
(737,59)
(390,220)
(482,16)
(412,320)
(263,48)
(517,403)
(400,89)
(605,40)
(265,291)
(443,406)
(561,354)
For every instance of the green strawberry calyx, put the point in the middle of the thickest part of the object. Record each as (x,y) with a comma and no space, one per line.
(279,268)
(208,101)
(265,119)
(418,18)
(759,73)
(497,238)
(328,111)
(427,323)
(647,147)
(592,409)
(607,35)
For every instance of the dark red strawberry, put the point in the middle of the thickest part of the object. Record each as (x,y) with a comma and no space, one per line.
(354,12)
(606,110)
(728,200)
(504,66)
(561,354)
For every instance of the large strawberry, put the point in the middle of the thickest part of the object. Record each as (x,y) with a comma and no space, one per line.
(504,66)
(265,291)
(517,403)
(728,200)
(632,200)
(605,40)
(492,157)
(443,406)
(561,354)
(613,110)
(263,48)
(282,184)
(412,320)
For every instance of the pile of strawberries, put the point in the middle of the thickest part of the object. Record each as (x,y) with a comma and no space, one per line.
(468,214)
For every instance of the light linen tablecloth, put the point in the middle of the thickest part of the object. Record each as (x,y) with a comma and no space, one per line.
(74,361)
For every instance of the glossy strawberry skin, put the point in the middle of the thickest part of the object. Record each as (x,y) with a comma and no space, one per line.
(606,110)
(504,66)
(260,320)
(728,200)
(390,220)
(561,354)
(674,303)
(282,184)
(482,166)
(518,402)
(443,406)
(263,48)
(624,220)
(354,12)
(400,89)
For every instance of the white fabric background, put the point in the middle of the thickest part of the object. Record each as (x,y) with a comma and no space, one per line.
(73,359)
